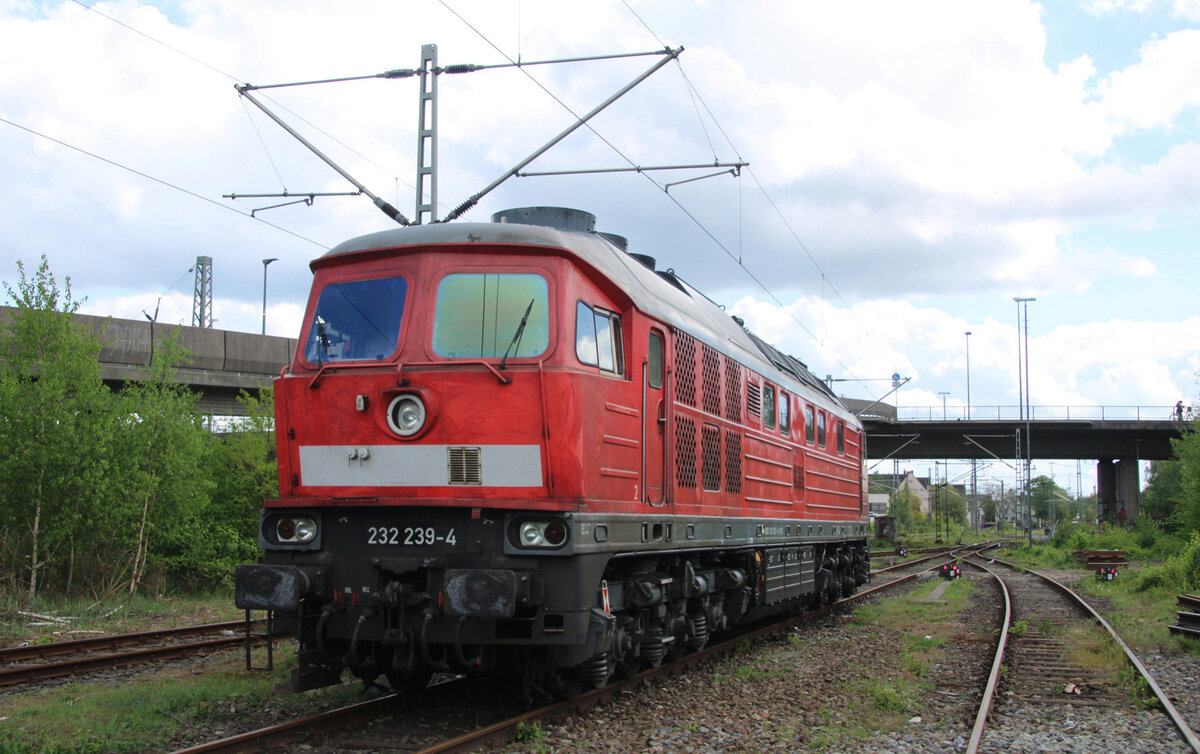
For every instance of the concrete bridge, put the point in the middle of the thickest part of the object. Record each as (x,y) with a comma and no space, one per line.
(223,362)
(1118,437)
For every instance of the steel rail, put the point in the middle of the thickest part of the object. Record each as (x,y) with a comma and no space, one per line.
(295,730)
(1180,724)
(47,671)
(989,690)
(56,648)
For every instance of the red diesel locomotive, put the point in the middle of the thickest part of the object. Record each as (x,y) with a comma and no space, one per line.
(514,445)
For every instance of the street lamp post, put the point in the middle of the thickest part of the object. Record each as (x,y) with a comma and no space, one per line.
(968,374)
(975,517)
(265,263)
(1026,409)
(943,405)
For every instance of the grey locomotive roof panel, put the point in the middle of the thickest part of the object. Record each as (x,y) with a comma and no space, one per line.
(673,301)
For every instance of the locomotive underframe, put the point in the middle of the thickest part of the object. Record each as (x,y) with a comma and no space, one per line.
(621,594)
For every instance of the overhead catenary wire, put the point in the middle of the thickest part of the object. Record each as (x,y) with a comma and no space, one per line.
(239,80)
(159,181)
(696,98)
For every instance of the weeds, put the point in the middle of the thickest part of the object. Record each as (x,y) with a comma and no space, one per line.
(1138,688)
(147,713)
(533,734)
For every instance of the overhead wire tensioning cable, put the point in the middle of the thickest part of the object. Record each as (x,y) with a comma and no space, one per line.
(696,95)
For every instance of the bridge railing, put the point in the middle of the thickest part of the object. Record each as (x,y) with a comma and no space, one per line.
(1039,413)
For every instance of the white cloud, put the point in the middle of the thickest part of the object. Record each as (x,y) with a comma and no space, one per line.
(1114,362)
(1153,93)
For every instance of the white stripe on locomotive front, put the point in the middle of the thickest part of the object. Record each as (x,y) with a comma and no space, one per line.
(415,466)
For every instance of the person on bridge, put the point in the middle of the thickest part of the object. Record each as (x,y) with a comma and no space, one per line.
(1179,411)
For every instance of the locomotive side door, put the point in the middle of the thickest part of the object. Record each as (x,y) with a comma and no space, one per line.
(654,419)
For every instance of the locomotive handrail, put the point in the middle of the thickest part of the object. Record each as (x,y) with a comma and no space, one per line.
(480,362)
(316,380)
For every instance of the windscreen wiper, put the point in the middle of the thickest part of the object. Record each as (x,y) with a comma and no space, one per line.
(517,336)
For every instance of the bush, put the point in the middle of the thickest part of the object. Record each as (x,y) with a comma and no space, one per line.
(1071,537)
(1153,577)
(1188,563)
(1180,572)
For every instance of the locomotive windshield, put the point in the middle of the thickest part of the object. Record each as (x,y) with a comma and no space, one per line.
(488,315)
(356,321)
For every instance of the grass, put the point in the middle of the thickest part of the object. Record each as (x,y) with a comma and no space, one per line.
(534,736)
(1091,648)
(74,618)
(885,692)
(1141,609)
(906,611)
(148,711)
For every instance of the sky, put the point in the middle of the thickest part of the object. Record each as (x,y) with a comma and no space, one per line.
(913,167)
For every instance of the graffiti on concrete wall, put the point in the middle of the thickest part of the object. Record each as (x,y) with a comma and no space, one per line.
(126,340)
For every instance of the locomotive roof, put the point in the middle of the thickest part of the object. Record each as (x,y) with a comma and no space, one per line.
(660,294)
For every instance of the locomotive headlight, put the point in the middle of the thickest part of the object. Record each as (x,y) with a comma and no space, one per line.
(533,534)
(306,529)
(548,534)
(406,414)
(298,530)
(289,530)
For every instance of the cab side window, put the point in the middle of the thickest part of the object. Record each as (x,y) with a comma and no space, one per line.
(598,338)
(654,357)
(809,424)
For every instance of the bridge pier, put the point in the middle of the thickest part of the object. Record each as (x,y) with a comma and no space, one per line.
(1118,482)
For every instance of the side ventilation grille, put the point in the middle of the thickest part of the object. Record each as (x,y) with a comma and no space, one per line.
(685,369)
(710,380)
(754,399)
(685,452)
(733,461)
(733,390)
(710,457)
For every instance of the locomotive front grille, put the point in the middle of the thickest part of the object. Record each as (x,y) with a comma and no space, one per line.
(463,464)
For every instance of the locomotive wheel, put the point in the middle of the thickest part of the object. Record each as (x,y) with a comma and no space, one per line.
(624,661)
(564,684)
(409,683)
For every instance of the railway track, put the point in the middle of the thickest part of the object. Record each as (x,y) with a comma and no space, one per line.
(34,663)
(1033,665)
(387,731)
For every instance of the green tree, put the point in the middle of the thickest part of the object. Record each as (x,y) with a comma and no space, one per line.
(1164,490)
(164,489)
(906,508)
(54,411)
(989,508)
(1185,517)
(241,463)
(1045,496)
